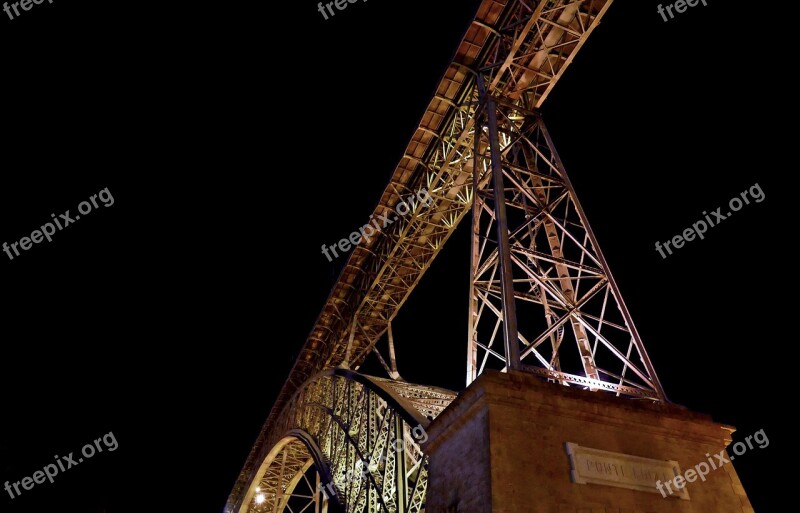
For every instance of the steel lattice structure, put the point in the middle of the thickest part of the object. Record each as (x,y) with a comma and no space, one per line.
(527,219)
(542,297)
(361,436)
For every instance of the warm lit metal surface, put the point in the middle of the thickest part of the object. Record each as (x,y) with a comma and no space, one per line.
(573,326)
(520,49)
(362,436)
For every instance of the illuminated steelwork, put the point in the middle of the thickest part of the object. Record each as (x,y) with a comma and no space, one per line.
(553,303)
(349,438)
(535,260)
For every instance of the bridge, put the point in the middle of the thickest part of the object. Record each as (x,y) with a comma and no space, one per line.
(542,298)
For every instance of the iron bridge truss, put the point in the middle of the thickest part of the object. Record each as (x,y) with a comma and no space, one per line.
(542,298)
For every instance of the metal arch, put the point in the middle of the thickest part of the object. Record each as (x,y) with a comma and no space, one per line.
(286,466)
(345,422)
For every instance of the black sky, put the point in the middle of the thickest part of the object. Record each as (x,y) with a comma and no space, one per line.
(236,140)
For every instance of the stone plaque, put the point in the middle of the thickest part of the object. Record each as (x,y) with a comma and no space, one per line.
(622,470)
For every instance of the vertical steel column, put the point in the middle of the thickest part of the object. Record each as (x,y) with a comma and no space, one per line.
(475,255)
(510,335)
(393,373)
(400,464)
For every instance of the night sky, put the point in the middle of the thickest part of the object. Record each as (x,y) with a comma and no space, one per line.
(236,140)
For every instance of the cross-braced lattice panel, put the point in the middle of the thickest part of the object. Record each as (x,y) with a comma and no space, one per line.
(572,326)
(290,483)
(364,434)
(536,43)
(372,451)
